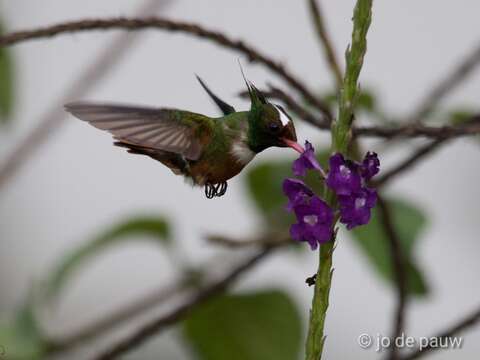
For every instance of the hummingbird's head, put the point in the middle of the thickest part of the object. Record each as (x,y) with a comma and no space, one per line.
(269,124)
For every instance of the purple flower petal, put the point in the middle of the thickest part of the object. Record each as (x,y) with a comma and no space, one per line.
(293,186)
(307,160)
(315,221)
(370,165)
(297,192)
(344,175)
(355,209)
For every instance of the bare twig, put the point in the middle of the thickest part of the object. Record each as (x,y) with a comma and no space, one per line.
(156,326)
(117,317)
(54,116)
(175,26)
(399,271)
(471,127)
(156,297)
(467,322)
(447,85)
(410,161)
(468,128)
(267,240)
(318,20)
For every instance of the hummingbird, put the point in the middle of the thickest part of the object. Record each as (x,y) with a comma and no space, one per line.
(205,150)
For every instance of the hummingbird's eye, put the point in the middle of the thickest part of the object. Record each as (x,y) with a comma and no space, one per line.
(273,126)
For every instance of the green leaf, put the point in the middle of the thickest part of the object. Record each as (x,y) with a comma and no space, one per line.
(366,101)
(264,184)
(6,83)
(155,228)
(23,339)
(409,222)
(256,326)
(461,115)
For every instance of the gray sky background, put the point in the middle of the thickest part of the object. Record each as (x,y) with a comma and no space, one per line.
(79,183)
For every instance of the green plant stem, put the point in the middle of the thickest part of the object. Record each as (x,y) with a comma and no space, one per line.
(323,281)
(341,135)
(354,55)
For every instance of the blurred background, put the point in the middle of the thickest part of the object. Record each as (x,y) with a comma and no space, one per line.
(77,184)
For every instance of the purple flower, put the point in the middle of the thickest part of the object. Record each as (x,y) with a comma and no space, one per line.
(355,209)
(370,165)
(314,223)
(348,181)
(344,175)
(297,192)
(307,160)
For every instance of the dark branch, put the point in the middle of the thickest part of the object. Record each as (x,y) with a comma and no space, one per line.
(54,116)
(175,26)
(156,326)
(270,239)
(318,20)
(410,161)
(116,318)
(471,127)
(447,85)
(464,324)
(399,271)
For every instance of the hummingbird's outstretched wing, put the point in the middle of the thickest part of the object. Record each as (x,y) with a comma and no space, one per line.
(171,130)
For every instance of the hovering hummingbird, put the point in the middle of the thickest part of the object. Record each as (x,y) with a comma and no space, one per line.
(208,151)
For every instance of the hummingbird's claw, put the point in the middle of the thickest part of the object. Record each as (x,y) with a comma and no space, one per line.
(223,189)
(215,190)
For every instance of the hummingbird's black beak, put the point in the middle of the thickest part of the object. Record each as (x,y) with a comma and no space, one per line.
(289,138)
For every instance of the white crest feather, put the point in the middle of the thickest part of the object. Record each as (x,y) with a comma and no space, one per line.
(283,116)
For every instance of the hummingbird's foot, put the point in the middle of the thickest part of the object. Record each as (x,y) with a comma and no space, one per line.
(210,191)
(222,189)
(215,190)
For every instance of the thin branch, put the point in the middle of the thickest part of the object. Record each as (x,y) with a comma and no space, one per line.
(468,128)
(159,324)
(471,127)
(467,322)
(447,85)
(410,161)
(175,26)
(399,271)
(318,20)
(53,118)
(116,318)
(270,239)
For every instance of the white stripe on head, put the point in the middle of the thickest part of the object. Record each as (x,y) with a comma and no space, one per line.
(283,116)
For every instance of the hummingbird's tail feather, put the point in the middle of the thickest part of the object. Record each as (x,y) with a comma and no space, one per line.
(174,162)
(224,107)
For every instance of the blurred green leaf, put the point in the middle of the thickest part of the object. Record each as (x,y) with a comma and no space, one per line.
(23,339)
(461,115)
(366,100)
(6,83)
(264,184)
(155,228)
(256,326)
(409,221)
